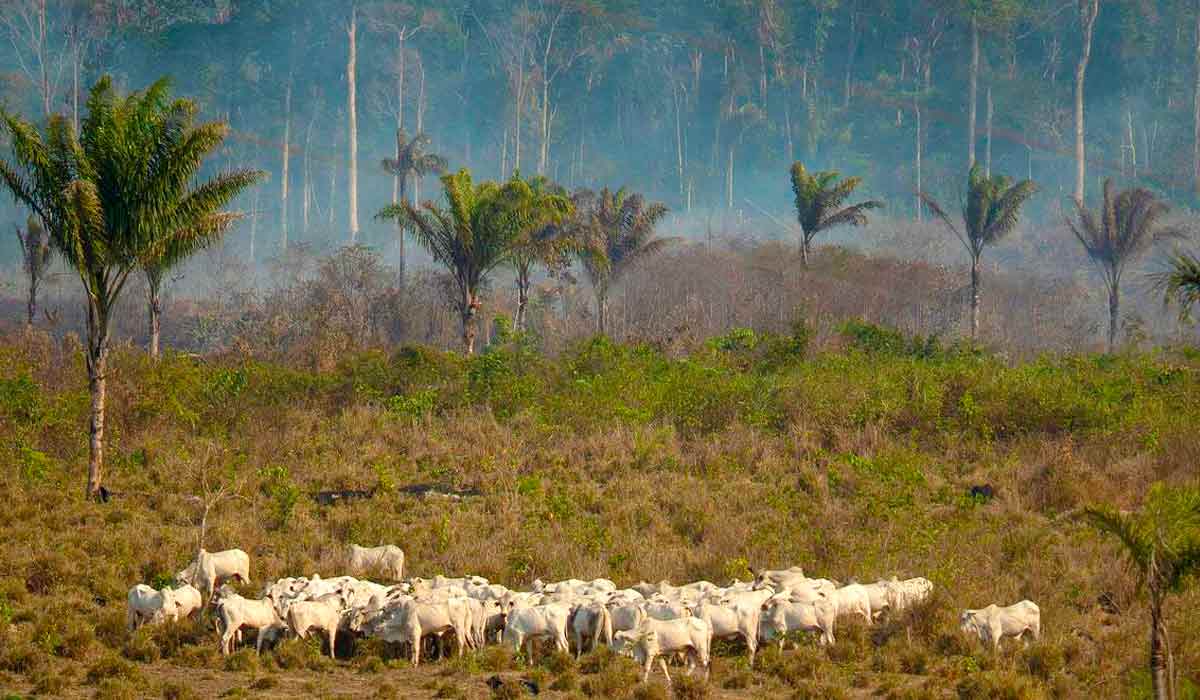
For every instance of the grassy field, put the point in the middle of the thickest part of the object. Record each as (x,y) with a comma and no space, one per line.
(854,460)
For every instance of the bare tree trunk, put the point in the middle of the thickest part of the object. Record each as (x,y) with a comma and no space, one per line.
(352,131)
(729,179)
(32,304)
(974,297)
(306,205)
(1196,109)
(420,118)
(678,137)
(400,233)
(917,114)
(987,153)
(97,366)
(287,156)
(804,249)
(852,49)
(1088,9)
(973,91)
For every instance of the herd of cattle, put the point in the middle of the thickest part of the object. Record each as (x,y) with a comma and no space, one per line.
(646,621)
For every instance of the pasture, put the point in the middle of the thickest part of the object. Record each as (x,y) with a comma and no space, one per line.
(855,460)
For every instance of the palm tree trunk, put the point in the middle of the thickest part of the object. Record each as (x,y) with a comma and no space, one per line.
(97,367)
(602,311)
(522,298)
(469,310)
(1159,678)
(34,281)
(987,153)
(403,197)
(155,317)
(1088,9)
(1114,312)
(974,297)
(804,243)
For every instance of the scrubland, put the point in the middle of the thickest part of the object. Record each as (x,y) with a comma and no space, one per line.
(853,457)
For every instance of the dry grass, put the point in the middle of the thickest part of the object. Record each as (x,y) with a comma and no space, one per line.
(606,462)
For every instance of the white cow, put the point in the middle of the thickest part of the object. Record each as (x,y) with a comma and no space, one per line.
(992,623)
(781,616)
(626,616)
(146,605)
(852,599)
(209,569)
(523,625)
(187,601)
(656,639)
(731,620)
(663,609)
(323,614)
(735,615)
(410,619)
(907,593)
(235,612)
(591,621)
(387,559)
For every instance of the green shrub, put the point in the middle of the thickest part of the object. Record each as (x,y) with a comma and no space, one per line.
(997,685)
(51,683)
(141,646)
(650,691)
(242,661)
(116,689)
(692,687)
(111,666)
(264,683)
(809,690)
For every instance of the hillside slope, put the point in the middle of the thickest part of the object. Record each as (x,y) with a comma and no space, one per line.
(610,460)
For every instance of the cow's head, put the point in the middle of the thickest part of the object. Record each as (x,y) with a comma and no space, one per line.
(967,623)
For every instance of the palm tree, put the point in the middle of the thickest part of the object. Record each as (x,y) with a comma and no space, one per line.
(412,160)
(36,255)
(1128,224)
(1162,546)
(616,231)
(470,237)
(540,208)
(819,198)
(990,213)
(1181,283)
(116,197)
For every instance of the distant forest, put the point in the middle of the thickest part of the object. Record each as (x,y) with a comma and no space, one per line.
(701,105)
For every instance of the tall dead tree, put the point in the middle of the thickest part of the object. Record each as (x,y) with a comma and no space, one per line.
(35,259)
(1088,10)
(352,121)
(973,91)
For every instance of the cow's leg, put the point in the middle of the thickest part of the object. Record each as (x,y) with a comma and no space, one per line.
(332,642)
(752,646)
(663,662)
(529,645)
(578,644)
(227,642)
(416,650)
